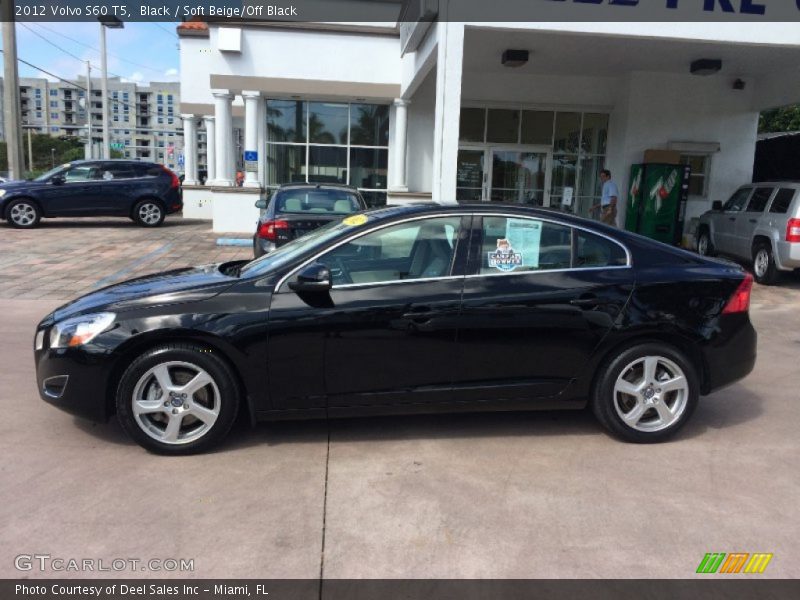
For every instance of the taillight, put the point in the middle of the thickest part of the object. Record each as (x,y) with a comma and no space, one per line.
(268,230)
(175,183)
(740,301)
(793,230)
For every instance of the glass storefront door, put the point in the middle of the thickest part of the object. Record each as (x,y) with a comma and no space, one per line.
(509,174)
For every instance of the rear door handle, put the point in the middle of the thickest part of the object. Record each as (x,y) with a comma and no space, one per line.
(586,302)
(731,218)
(754,220)
(419,314)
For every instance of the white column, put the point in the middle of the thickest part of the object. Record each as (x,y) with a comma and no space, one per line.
(189,149)
(251,101)
(262,143)
(211,150)
(224,137)
(399,183)
(449,65)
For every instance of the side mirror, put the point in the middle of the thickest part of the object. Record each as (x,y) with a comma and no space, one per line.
(261,203)
(57,180)
(315,277)
(716,205)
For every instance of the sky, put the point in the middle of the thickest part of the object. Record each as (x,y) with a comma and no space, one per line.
(140,52)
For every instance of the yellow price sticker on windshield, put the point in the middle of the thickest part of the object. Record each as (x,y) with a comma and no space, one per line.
(355,220)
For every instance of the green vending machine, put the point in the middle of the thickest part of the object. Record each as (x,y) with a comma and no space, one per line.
(657,201)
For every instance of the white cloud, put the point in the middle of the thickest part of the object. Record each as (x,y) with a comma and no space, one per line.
(171,73)
(135,77)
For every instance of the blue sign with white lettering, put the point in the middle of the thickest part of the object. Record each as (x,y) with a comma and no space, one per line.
(250,155)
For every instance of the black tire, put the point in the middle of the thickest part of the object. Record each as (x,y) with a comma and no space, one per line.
(149,213)
(221,394)
(647,430)
(765,271)
(704,245)
(23,214)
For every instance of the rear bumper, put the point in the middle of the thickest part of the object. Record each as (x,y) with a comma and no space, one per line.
(732,355)
(787,256)
(262,246)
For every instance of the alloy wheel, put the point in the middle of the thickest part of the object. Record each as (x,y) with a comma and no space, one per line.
(761,263)
(150,213)
(651,393)
(702,245)
(176,402)
(22,214)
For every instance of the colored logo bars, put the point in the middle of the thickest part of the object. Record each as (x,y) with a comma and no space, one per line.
(736,562)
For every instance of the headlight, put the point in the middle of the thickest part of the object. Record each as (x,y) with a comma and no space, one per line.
(79,330)
(2,193)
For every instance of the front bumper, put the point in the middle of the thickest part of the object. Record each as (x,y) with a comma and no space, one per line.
(75,381)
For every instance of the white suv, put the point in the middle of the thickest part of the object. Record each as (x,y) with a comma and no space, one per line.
(759,223)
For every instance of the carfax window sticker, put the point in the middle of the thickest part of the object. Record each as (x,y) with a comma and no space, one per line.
(525,237)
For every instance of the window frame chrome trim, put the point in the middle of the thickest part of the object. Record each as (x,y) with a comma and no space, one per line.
(628,255)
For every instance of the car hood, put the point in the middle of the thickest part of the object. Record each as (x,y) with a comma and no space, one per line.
(16,185)
(171,287)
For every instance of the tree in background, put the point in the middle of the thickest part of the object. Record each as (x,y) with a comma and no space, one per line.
(786,118)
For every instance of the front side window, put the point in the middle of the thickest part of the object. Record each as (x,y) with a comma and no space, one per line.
(738,200)
(80,173)
(419,249)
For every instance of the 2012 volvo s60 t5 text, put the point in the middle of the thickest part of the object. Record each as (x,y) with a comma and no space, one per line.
(408,309)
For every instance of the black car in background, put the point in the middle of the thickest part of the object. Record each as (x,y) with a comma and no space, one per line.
(296,209)
(144,192)
(407,310)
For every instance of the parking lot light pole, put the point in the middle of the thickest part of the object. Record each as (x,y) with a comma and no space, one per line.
(113,23)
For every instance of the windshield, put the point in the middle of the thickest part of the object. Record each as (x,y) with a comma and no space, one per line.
(51,172)
(330,201)
(295,248)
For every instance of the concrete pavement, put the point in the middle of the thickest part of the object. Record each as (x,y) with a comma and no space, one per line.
(504,495)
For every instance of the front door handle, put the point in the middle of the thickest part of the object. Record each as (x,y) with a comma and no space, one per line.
(731,218)
(754,220)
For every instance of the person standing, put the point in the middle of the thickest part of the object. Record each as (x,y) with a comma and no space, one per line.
(608,199)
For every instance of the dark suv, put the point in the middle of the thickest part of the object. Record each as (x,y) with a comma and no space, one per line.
(296,209)
(144,192)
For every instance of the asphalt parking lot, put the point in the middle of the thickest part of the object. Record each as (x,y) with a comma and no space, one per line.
(534,495)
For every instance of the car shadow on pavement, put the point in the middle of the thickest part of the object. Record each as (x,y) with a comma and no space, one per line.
(722,410)
(121,223)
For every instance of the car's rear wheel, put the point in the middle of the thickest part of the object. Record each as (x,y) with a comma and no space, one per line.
(23,214)
(704,245)
(149,213)
(765,271)
(646,393)
(177,399)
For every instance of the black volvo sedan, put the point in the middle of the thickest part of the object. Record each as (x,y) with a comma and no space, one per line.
(406,310)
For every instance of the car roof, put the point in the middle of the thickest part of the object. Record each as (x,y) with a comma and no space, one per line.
(795,183)
(337,186)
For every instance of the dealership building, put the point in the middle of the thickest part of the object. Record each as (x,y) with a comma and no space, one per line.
(525,112)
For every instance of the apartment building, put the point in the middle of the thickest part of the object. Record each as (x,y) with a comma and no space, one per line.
(145,120)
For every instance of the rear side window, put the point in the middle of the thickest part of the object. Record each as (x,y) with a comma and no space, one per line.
(117,171)
(759,199)
(595,251)
(145,170)
(782,201)
(315,200)
(520,244)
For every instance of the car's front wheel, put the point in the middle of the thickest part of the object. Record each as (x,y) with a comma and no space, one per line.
(646,393)
(178,399)
(704,245)
(149,213)
(23,214)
